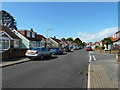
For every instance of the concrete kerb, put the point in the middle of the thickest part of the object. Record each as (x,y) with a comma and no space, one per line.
(13,63)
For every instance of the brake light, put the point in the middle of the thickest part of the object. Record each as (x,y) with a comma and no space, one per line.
(36,52)
(26,51)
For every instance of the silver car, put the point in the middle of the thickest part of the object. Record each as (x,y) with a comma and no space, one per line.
(38,52)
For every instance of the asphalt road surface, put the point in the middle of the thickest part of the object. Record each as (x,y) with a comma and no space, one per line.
(62,71)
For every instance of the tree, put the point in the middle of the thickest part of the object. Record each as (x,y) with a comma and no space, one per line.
(63,39)
(78,41)
(69,39)
(7,20)
(107,41)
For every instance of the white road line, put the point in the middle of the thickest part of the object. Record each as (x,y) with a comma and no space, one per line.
(94,57)
(90,57)
(88,85)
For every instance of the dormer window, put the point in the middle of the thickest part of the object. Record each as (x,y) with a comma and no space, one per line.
(28,34)
(33,35)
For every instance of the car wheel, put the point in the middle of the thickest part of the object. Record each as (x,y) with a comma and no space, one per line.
(50,55)
(41,57)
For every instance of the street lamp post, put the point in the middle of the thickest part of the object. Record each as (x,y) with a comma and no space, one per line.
(47,31)
(47,34)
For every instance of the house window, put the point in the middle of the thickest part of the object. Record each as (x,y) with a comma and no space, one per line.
(16,44)
(33,35)
(28,34)
(4,44)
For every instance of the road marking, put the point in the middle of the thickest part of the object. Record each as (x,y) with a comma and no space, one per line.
(88,85)
(94,57)
(90,57)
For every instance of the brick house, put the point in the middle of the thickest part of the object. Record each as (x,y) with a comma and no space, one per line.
(8,40)
(63,44)
(55,42)
(71,44)
(44,42)
(116,40)
(29,38)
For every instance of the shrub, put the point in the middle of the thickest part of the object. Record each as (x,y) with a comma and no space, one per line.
(103,47)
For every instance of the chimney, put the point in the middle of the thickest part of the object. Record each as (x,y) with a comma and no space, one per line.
(31,29)
(54,37)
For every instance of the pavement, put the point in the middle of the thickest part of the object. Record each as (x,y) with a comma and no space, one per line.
(103,71)
(61,71)
(10,62)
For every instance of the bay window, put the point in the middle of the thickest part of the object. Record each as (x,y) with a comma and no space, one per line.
(4,43)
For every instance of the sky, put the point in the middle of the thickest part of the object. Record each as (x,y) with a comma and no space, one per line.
(90,21)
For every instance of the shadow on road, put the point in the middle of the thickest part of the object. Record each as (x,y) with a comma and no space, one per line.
(63,54)
(46,59)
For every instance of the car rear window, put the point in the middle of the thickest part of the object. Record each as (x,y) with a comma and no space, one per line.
(55,48)
(34,48)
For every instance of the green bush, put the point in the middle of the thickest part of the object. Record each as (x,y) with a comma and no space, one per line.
(103,47)
(96,47)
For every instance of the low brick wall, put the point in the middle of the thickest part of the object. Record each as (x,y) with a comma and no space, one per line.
(13,54)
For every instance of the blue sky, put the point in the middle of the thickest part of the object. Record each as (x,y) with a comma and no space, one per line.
(68,19)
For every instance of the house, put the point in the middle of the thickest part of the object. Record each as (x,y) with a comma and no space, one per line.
(71,44)
(29,38)
(55,42)
(63,44)
(116,35)
(8,40)
(45,42)
(116,40)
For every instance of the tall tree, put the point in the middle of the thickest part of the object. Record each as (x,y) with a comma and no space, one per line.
(78,41)
(69,39)
(63,39)
(107,41)
(7,20)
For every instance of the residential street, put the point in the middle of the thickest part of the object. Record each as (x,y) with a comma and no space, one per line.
(59,45)
(62,71)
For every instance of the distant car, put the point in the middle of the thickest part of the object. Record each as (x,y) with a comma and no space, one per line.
(77,48)
(67,49)
(89,48)
(56,50)
(38,52)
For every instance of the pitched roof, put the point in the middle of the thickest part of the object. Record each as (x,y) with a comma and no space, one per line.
(41,36)
(8,31)
(1,31)
(37,36)
(57,40)
(63,42)
(114,39)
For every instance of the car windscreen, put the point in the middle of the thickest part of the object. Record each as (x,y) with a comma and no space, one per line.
(88,47)
(54,48)
(34,48)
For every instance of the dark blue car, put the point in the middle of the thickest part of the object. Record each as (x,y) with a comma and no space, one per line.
(56,50)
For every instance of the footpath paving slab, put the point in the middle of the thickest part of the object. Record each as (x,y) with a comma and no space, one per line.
(13,62)
(99,78)
(103,74)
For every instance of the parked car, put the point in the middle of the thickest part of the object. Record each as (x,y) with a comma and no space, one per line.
(67,49)
(38,52)
(77,48)
(89,48)
(56,50)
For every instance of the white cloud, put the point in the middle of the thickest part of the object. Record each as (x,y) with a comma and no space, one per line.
(86,37)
